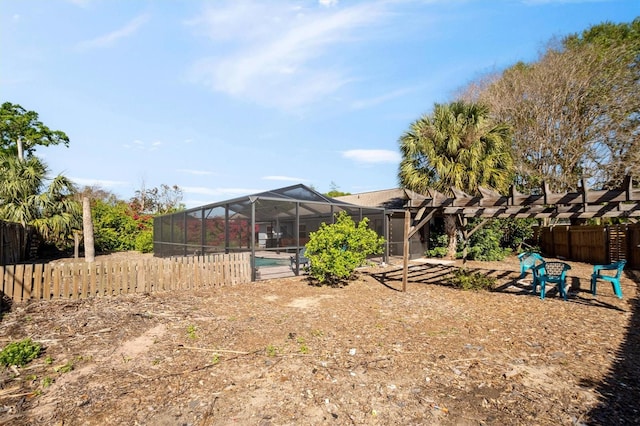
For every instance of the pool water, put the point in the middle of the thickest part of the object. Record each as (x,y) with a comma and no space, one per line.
(265,261)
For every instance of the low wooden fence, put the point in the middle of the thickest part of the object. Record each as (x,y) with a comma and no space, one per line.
(44,281)
(593,244)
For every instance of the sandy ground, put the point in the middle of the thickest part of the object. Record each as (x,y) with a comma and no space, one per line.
(284,352)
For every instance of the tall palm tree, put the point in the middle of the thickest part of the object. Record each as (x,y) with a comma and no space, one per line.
(25,199)
(457,146)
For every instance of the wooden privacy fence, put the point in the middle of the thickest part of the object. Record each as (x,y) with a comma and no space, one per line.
(44,281)
(12,242)
(593,244)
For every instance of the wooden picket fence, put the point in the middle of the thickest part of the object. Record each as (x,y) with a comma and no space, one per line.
(44,281)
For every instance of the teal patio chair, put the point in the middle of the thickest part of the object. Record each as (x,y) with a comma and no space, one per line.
(551,272)
(302,259)
(613,279)
(529,260)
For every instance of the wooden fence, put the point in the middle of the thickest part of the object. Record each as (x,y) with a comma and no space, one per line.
(12,242)
(44,281)
(593,244)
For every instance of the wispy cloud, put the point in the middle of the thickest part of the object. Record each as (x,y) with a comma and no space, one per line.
(195,172)
(371,156)
(276,55)
(284,178)
(139,145)
(370,102)
(110,39)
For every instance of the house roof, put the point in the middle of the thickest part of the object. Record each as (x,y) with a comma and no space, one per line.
(280,203)
(390,199)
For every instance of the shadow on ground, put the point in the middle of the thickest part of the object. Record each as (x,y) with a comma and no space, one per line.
(620,390)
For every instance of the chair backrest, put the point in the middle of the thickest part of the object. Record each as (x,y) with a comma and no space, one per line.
(529,258)
(620,266)
(556,269)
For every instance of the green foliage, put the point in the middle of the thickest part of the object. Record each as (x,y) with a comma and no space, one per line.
(484,244)
(117,227)
(458,145)
(18,124)
(467,280)
(492,242)
(336,250)
(20,353)
(144,241)
(438,244)
(515,232)
(25,199)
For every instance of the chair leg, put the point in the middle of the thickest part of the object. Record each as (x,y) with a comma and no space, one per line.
(542,289)
(563,290)
(617,290)
(593,286)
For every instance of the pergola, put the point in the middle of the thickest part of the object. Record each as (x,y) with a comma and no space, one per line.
(583,204)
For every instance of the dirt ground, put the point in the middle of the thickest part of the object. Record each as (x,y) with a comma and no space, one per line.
(284,352)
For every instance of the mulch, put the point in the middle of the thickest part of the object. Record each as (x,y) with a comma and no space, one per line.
(285,352)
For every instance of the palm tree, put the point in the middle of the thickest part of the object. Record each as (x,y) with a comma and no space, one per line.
(458,146)
(25,199)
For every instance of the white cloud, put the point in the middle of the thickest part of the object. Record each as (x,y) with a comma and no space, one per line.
(284,178)
(372,156)
(139,145)
(113,37)
(274,55)
(328,3)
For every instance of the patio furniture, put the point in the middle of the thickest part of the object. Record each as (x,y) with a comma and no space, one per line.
(528,260)
(551,272)
(613,279)
(302,259)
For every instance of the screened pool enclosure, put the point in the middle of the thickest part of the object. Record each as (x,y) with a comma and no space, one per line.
(274,221)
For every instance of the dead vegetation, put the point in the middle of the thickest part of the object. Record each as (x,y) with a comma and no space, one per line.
(284,352)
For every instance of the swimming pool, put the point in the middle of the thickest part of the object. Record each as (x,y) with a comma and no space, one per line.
(268,261)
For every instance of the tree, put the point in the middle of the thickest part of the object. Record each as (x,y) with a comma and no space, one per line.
(24,198)
(165,199)
(335,191)
(574,111)
(457,146)
(336,250)
(21,131)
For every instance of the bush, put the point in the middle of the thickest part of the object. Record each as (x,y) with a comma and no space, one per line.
(144,241)
(467,280)
(20,353)
(336,250)
(484,244)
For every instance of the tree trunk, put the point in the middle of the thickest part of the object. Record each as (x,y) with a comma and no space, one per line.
(450,229)
(20,149)
(87,228)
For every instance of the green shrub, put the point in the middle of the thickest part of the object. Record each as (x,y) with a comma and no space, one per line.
(144,241)
(438,245)
(336,250)
(467,280)
(485,243)
(20,353)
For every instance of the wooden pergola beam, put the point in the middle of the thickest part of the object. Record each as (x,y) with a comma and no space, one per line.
(583,204)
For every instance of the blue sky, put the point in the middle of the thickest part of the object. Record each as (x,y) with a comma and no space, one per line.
(227,98)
